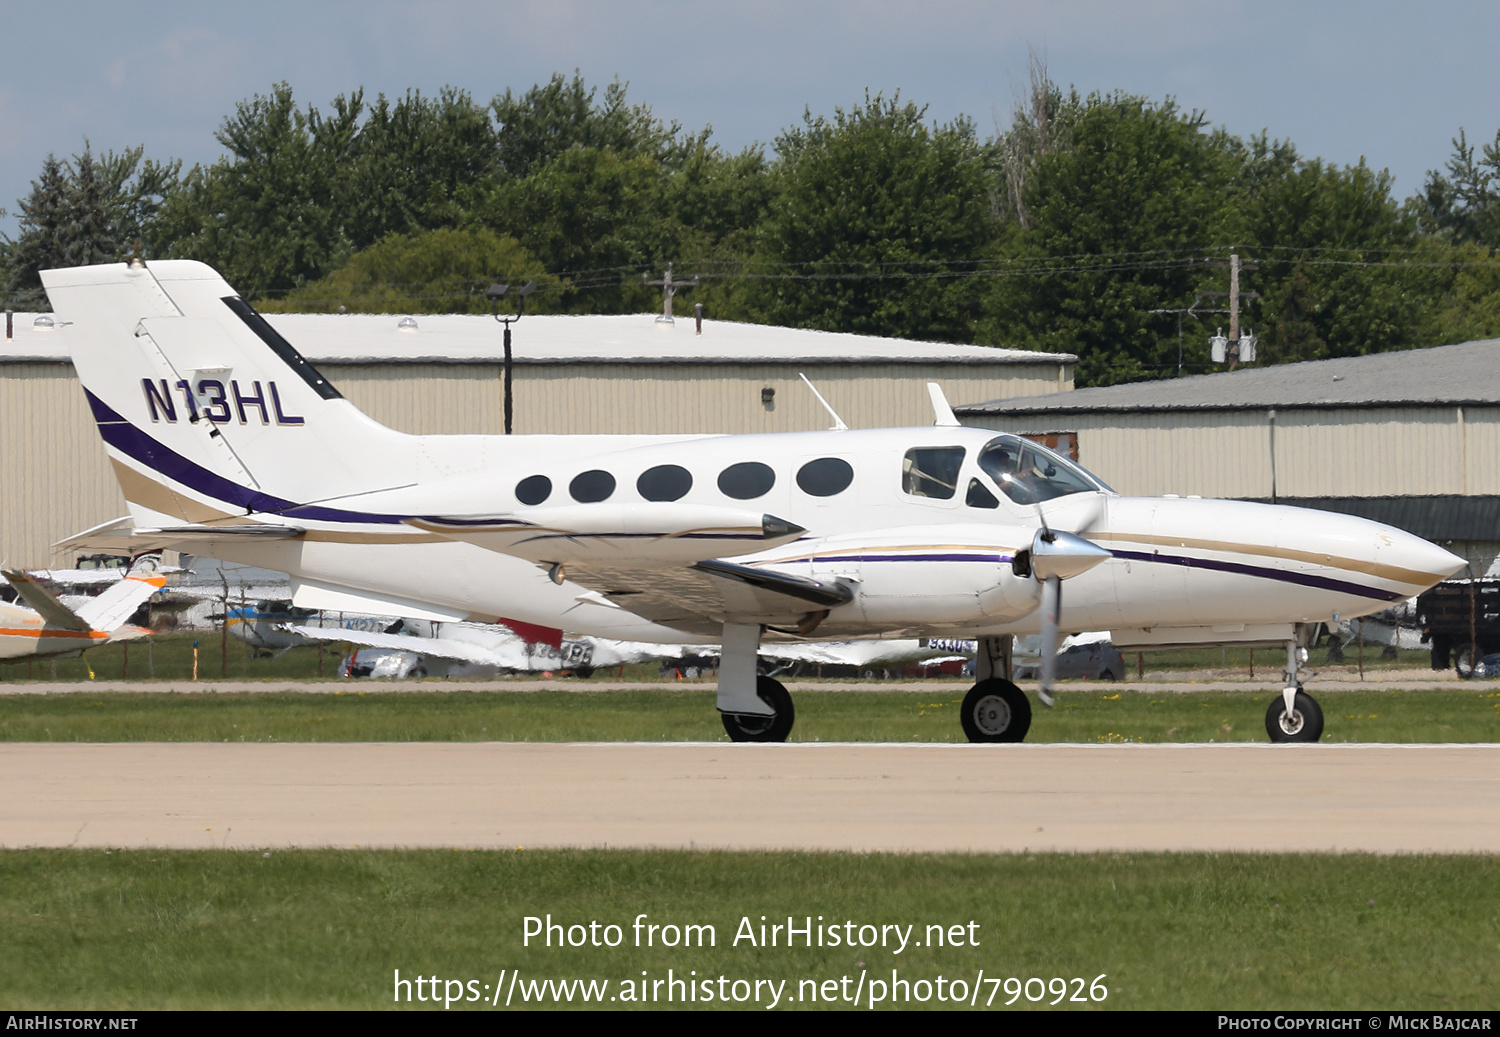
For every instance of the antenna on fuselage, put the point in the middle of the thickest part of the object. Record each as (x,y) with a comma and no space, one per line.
(943,416)
(838,422)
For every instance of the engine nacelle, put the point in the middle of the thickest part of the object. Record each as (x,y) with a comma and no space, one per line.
(928,576)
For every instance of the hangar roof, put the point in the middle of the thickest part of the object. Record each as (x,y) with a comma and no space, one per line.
(1440,376)
(553,339)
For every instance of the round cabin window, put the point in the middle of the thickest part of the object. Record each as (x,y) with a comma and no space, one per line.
(665,482)
(746,480)
(825,477)
(533,489)
(592,486)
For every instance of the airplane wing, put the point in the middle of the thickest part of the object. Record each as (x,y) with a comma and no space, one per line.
(114,606)
(686,597)
(509,656)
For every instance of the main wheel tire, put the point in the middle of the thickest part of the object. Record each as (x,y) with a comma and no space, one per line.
(1108,676)
(1305,724)
(996,710)
(750,727)
(1464,660)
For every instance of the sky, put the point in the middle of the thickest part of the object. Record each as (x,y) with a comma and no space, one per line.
(1391,83)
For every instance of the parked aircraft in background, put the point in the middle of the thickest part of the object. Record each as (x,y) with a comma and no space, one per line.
(51,628)
(227,442)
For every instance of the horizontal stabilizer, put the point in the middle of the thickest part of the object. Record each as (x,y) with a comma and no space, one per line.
(122,535)
(104,612)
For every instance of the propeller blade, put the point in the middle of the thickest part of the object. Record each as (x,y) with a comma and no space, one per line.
(1051,611)
(1055,557)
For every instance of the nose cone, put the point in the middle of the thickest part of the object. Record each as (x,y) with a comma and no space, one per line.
(1064,555)
(1425,562)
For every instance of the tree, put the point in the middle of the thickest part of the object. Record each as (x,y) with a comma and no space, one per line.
(1113,221)
(439,271)
(1340,262)
(875,222)
(537,127)
(592,215)
(416,164)
(86,210)
(1461,207)
(268,216)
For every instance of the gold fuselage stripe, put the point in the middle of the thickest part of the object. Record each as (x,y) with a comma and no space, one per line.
(1394,573)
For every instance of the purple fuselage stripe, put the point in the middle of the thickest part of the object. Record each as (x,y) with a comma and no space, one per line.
(1303,579)
(125,437)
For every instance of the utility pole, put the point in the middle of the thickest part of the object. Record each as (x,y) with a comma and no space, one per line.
(1236,347)
(668,290)
(1234,298)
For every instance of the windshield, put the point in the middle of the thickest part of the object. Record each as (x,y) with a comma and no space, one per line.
(1029,474)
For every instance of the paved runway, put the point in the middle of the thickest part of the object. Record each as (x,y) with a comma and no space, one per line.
(983,798)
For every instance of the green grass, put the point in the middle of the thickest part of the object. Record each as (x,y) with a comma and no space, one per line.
(326,929)
(1471,714)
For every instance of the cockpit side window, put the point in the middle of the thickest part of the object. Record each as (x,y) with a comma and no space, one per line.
(932,471)
(980,496)
(1030,474)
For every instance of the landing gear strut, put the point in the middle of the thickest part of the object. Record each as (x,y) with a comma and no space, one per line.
(754,708)
(1296,715)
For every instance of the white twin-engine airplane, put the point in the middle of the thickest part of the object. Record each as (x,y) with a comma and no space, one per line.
(228,443)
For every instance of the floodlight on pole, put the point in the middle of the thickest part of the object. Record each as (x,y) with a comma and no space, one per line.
(495,294)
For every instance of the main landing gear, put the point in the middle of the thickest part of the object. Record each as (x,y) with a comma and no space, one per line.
(755,727)
(995,710)
(1296,715)
(753,708)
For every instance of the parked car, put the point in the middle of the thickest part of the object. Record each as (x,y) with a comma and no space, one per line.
(1097,660)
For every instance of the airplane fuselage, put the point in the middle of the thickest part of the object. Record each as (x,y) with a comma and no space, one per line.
(927,555)
(24,634)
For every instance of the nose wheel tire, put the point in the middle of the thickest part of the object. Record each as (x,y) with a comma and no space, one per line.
(1303,724)
(752,727)
(996,710)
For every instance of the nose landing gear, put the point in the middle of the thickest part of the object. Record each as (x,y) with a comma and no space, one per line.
(1301,721)
(1296,715)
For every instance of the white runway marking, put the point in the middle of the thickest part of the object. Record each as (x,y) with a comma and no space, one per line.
(810,796)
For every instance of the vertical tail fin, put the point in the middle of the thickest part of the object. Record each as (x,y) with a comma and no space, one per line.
(207,412)
(103,612)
